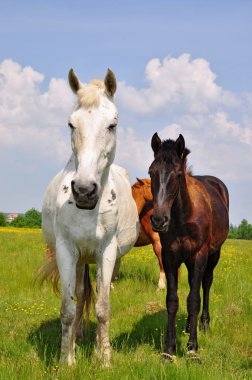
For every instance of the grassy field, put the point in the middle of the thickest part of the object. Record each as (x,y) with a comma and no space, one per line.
(30,325)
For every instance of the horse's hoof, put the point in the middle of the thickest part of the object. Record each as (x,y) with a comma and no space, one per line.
(68,360)
(106,365)
(167,358)
(162,281)
(161,285)
(193,356)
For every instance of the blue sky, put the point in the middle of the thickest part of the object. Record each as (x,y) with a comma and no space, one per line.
(182,67)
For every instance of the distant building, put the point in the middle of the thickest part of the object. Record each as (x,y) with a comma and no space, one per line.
(11,217)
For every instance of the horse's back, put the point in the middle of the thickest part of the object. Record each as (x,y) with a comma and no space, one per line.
(219,197)
(49,208)
(215,186)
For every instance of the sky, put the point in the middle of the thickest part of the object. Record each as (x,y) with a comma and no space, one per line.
(181,67)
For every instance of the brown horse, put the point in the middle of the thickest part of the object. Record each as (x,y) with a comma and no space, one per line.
(141,191)
(191,216)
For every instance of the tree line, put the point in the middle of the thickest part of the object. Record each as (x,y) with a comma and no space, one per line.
(32,219)
(243,231)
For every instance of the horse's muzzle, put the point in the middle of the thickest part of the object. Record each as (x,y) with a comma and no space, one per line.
(159,224)
(85,198)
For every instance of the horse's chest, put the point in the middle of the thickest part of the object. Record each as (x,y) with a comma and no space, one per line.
(87,230)
(185,244)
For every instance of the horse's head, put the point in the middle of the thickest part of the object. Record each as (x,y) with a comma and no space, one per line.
(93,136)
(166,172)
(141,192)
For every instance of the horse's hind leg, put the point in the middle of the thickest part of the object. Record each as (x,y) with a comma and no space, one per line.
(206,285)
(79,291)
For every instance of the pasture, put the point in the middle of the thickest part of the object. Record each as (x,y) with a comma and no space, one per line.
(30,326)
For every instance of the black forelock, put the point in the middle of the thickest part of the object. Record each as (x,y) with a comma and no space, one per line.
(168,152)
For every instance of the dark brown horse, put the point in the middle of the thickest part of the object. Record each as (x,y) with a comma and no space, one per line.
(191,216)
(141,191)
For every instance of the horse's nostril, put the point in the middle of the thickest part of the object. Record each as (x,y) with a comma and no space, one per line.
(93,191)
(73,187)
(94,188)
(158,222)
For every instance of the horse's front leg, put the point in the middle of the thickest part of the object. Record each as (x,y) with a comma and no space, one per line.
(196,272)
(66,261)
(171,264)
(105,267)
(172,308)
(157,248)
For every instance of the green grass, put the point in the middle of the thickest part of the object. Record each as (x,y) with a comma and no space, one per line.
(30,325)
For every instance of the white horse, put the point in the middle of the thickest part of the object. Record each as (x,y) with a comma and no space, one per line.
(89,215)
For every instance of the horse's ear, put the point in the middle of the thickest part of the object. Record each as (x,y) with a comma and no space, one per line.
(155,143)
(140,181)
(180,145)
(73,81)
(110,83)
(185,154)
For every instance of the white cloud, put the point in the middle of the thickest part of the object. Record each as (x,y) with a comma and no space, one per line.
(216,126)
(133,152)
(29,118)
(182,96)
(184,82)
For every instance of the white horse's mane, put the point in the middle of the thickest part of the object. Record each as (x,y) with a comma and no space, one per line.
(88,95)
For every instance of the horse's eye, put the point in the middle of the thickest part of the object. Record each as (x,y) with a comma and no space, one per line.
(112,127)
(70,125)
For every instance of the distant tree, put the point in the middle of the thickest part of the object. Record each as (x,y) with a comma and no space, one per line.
(243,231)
(3,220)
(32,219)
(19,221)
(232,232)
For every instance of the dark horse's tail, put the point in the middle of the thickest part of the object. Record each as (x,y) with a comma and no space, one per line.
(49,272)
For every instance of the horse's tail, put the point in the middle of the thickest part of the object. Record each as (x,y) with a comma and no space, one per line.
(49,271)
(88,295)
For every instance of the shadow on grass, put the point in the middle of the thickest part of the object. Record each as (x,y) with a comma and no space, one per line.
(151,329)
(47,339)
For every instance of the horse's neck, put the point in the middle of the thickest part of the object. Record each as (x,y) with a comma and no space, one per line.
(183,203)
(140,202)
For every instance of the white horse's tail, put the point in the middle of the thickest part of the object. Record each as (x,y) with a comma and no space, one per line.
(49,272)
